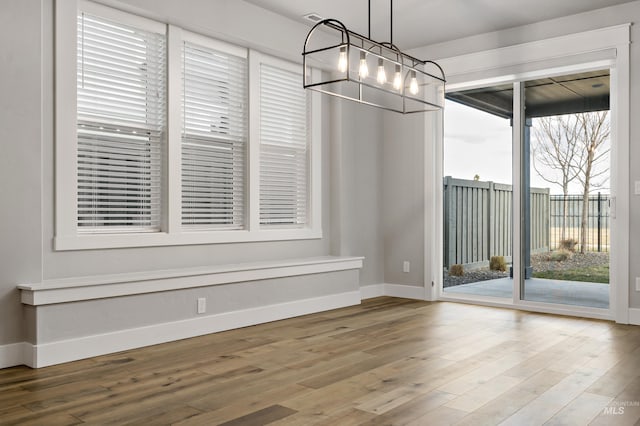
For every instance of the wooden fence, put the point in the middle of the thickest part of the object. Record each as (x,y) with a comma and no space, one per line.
(478,221)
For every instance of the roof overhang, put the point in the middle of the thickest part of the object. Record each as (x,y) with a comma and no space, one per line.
(583,92)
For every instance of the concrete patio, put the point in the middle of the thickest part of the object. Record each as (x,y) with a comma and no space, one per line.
(541,290)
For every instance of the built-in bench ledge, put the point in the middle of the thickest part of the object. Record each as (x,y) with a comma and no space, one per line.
(113,285)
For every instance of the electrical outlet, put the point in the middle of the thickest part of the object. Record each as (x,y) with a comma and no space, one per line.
(637,283)
(637,187)
(406,266)
(202,305)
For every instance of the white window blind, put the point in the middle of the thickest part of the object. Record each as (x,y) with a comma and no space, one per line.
(121,125)
(284,148)
(214,138)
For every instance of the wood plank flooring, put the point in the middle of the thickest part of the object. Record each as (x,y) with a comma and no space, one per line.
(385,362)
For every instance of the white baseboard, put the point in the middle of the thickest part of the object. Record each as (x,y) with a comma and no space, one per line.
(404,291)
(90,346)
(634,316)
(371,291)
(392,290)
(14,354)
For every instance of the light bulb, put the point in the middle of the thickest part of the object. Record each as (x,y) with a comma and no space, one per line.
(343,60)
(382,75)
(364,69)
(397,79)
(413,85)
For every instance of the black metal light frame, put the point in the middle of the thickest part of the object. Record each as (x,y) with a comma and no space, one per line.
(367,90)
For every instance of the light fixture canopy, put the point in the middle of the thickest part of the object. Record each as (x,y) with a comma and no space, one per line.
(345,58)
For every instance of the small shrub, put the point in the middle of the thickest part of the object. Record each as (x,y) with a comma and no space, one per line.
(568,244)
(456,270)
(560,255)
(497,263)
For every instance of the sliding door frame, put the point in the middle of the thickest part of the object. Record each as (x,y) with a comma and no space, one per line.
(606,48)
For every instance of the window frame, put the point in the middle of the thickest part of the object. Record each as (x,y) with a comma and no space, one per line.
(183,36)
(67,237)
(88,165)
(256,60)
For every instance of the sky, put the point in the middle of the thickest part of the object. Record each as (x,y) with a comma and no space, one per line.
(476,142)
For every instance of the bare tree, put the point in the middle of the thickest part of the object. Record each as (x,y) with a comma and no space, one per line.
(556,148)
(594,134)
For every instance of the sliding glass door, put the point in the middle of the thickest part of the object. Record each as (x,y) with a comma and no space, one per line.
(478,202)
(526,191)
(566,187)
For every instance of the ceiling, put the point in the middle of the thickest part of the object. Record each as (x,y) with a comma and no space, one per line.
(581,92)
(423,22)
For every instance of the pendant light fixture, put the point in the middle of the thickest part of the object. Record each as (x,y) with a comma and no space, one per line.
(346,59)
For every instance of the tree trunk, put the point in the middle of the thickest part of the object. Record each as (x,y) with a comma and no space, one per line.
(583,222)
(565,202)
(585,203)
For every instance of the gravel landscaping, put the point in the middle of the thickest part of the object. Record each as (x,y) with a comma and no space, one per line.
(540,262)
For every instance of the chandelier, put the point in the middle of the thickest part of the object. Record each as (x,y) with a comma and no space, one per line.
(354,67)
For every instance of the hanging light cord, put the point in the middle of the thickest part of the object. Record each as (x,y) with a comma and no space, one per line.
(391,22)
(369,16)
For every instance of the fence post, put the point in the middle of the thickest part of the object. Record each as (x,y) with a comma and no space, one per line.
(491,219)
(449,224)
(599,223)
(547,219)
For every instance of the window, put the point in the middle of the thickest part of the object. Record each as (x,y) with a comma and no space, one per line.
(166,137)
(214,136)
(121,81)
(283,148)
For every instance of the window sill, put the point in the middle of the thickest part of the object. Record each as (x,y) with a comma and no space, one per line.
(109,241)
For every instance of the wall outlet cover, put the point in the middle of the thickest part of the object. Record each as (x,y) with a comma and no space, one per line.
(202,305)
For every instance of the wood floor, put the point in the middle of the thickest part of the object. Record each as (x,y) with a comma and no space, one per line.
(388,361)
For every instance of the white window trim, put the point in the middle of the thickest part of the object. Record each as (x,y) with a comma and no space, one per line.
(66,235)
(575,52)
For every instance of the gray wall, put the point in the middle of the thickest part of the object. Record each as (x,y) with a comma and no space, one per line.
(27,126)
(20,159)
(356,186)
(238,22)
(404,198)
(27,158)
(378,191)
(626,13)
(87,318)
